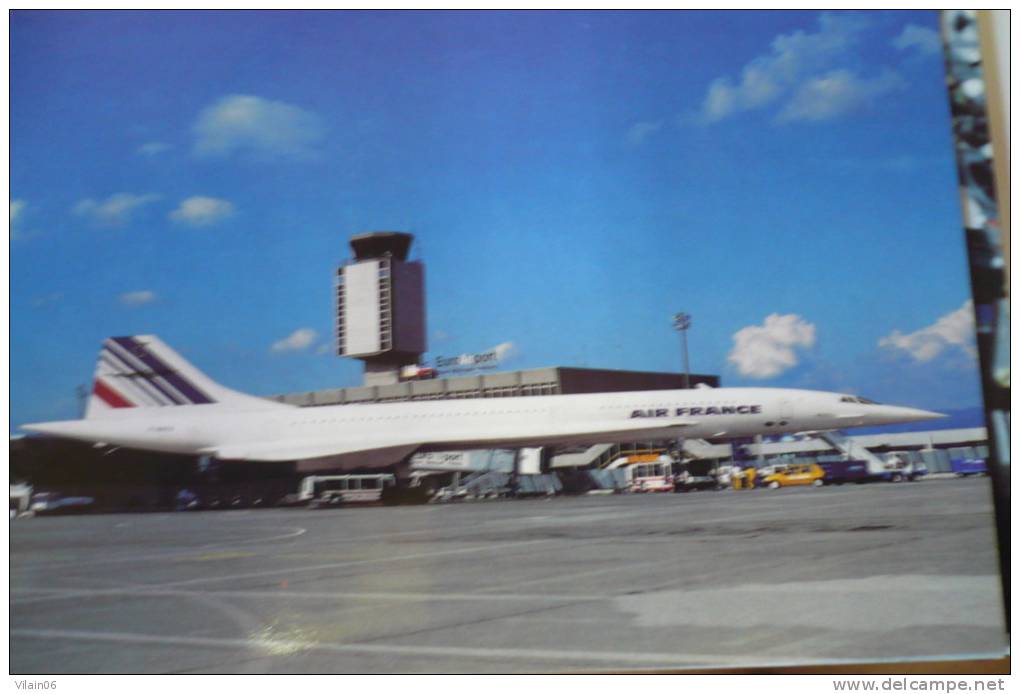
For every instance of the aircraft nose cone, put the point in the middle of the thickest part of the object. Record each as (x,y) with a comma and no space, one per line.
(911,414)
(921,415)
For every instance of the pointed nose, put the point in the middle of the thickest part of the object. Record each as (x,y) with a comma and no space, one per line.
(902,415)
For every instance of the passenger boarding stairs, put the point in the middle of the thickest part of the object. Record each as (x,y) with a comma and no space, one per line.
(609,456)
(854,451)
(490,484)
(700,449)
(486,483)
(590,456)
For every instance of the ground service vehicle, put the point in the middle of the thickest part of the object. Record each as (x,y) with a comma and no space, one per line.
(697,475)
(52,504)
(332,490)
(797,475)
(651,477)
(968,466)
(856,471)
(843,471)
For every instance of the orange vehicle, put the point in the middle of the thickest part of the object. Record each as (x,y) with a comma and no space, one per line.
(794,476)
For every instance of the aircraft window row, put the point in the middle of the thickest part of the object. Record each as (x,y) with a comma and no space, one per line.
(463,394)
(687,405)
(515,391)
(418,416)
(502,392)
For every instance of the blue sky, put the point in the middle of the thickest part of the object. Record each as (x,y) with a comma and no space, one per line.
(573,179)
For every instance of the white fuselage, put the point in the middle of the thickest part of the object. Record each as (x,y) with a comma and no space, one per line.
(291,433)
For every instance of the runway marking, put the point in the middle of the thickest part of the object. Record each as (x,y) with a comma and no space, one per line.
(283,647)
(296,532)
(69,593)
(356,562)
(606,622)
(175,555)
(218,556)
(631,566)
(284,594)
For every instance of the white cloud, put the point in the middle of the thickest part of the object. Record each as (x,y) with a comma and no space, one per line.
(137,298)
(47,299)
(639,132)
(151,149)
(504,350)
(116,210)
(922,39)
(763,351)
(793,61)
(200,210)
(836,93)
(722,100)
(17,211)
(244,123)
(955,330)
(300,339)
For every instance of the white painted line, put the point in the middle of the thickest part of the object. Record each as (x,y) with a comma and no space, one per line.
(295,532)
(355,562)
(222,546)
(629,566)
(289,571)
(283,646)
(354,540)
(285,594)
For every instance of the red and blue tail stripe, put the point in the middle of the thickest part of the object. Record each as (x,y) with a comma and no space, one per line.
(159,373)
(131,374)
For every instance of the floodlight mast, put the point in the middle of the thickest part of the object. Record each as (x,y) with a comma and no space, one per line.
(681,322)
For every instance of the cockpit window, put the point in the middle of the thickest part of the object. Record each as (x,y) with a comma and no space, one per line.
(856,400)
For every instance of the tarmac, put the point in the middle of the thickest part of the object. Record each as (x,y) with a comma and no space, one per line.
(569,584)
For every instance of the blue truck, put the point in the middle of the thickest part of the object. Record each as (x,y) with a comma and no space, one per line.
(968,466)
(856,471)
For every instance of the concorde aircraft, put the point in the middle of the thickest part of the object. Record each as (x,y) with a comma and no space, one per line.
(145,395)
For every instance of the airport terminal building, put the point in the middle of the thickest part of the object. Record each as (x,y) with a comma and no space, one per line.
(559,380)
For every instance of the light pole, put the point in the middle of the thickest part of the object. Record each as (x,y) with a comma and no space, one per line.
(681,322)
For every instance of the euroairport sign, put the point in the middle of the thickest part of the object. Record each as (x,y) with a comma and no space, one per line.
(474,362)
(441,460)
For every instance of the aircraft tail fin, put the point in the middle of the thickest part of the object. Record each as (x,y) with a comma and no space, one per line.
(143,371)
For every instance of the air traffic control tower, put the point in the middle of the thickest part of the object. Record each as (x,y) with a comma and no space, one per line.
(380,305)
